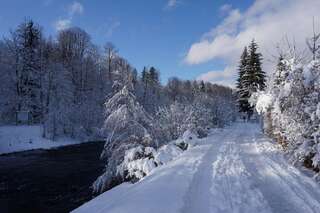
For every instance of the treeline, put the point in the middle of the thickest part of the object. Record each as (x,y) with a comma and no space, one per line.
(63,82)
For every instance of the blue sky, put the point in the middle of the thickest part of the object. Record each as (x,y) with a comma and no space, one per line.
(156,32)
(191,39)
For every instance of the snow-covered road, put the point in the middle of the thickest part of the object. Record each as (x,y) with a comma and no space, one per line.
(235,170)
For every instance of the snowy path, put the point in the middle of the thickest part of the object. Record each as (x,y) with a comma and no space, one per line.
(233,171)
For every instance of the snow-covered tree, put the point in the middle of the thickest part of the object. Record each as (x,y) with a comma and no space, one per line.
(127,125)
(25,46)
(58,119)
(251,77)
(243,94)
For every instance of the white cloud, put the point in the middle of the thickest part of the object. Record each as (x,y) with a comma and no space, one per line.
(76,8)
(268,21)
(225,8)
(62,24)
(229,24)
(172,4)
(224,77)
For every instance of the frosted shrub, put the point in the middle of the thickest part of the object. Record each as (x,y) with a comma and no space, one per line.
(291,106)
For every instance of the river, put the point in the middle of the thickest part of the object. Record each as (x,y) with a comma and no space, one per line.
(49,181)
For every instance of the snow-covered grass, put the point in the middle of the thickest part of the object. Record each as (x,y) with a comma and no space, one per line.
(22,138)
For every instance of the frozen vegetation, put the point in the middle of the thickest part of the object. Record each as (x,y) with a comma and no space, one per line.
(290,106)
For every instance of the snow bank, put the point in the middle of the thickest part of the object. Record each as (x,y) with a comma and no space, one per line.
(140,161)
(167,153)
(22,138)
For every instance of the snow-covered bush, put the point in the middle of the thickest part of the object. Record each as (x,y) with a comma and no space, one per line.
(140,161)
(173,121)
(262,101)
(291,106)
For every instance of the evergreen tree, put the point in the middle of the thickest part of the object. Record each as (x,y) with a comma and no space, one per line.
(257,76)
(28,37)
(242,67)
(202,87)
(145,82)
(242,98)
(251,78)
(151,87)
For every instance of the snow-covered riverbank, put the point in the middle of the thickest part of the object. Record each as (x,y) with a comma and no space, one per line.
(23,138)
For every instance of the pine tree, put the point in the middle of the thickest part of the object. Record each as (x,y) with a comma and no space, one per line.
(256,74)
(145,82)
(202,87)
(242,98)
(28,82)
(251,78)
(242,67)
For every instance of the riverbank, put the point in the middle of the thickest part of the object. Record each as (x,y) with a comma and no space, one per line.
(23,138)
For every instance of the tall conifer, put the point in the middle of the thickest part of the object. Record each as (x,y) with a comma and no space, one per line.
(251,77)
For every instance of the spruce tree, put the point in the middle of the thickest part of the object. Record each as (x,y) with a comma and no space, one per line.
(251,77)
(242,100)
(257,75)
(29,36)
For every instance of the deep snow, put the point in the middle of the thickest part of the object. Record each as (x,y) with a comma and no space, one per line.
(234,170)
(22,138)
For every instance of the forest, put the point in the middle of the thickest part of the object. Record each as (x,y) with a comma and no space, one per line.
(77,89)
(174,106)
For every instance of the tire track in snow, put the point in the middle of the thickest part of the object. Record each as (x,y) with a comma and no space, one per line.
(232,183)
(221,183)
(198,196)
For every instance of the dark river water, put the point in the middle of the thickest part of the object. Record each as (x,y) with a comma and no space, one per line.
(51,181)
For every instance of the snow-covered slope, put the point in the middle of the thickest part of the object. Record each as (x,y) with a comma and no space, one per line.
(234,170)
(22,138)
